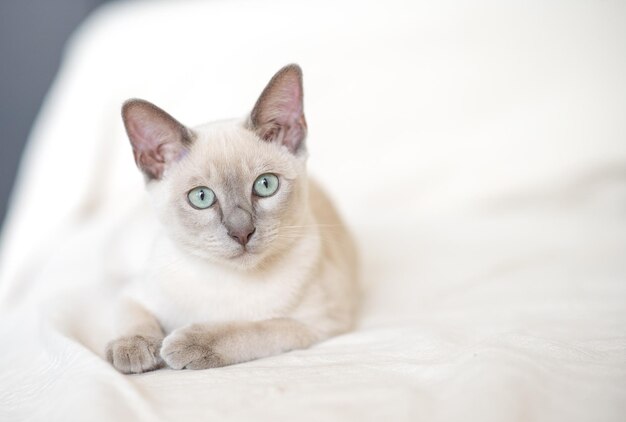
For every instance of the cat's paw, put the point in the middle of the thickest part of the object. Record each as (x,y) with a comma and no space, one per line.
(191,348)
(135,354)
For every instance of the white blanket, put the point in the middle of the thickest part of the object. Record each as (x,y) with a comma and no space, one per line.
(477,150)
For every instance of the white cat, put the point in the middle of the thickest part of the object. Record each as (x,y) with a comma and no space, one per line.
(255,260)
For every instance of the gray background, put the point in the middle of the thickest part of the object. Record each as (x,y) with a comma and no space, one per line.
(32,34)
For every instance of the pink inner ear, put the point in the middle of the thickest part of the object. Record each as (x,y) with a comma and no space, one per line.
(289,103)
(278,114)
(290,116)
(156,137)
(143,134)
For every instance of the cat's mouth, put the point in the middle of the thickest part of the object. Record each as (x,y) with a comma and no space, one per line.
(245,255)
(244,258)
(242,253)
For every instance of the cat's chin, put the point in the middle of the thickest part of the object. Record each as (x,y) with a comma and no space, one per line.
(244,260)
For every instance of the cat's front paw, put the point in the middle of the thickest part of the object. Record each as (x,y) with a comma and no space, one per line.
(191,348)
(135,354)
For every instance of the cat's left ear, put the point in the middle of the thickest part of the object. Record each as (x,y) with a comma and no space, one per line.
(278,115)
(157,138)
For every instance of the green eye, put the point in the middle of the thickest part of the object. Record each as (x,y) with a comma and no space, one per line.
(265,185)
(201,197)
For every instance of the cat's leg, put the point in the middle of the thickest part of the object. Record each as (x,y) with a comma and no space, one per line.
(137,349)
(201,346)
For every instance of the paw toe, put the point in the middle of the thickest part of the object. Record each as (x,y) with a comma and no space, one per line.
(182,351)
(134,355)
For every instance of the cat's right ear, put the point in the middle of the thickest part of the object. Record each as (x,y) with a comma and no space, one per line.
(157,138)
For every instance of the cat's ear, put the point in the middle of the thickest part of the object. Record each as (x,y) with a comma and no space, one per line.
(157,138)
(278,115)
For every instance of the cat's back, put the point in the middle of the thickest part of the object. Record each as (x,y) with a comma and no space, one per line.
(338,274)
(337,240)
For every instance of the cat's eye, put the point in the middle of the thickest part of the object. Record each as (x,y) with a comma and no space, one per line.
(265,185)
(201,197)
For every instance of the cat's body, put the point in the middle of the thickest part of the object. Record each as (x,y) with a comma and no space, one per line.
(253,261)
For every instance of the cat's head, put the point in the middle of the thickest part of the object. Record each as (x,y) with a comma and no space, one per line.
(229,191)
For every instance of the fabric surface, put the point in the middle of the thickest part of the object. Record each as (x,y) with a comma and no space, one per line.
(477,151)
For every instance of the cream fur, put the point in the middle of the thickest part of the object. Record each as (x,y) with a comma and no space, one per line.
(216,304)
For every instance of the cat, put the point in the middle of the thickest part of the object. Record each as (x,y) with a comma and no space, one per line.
(254,260)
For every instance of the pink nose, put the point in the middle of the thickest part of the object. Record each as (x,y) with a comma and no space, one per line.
(242,235)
